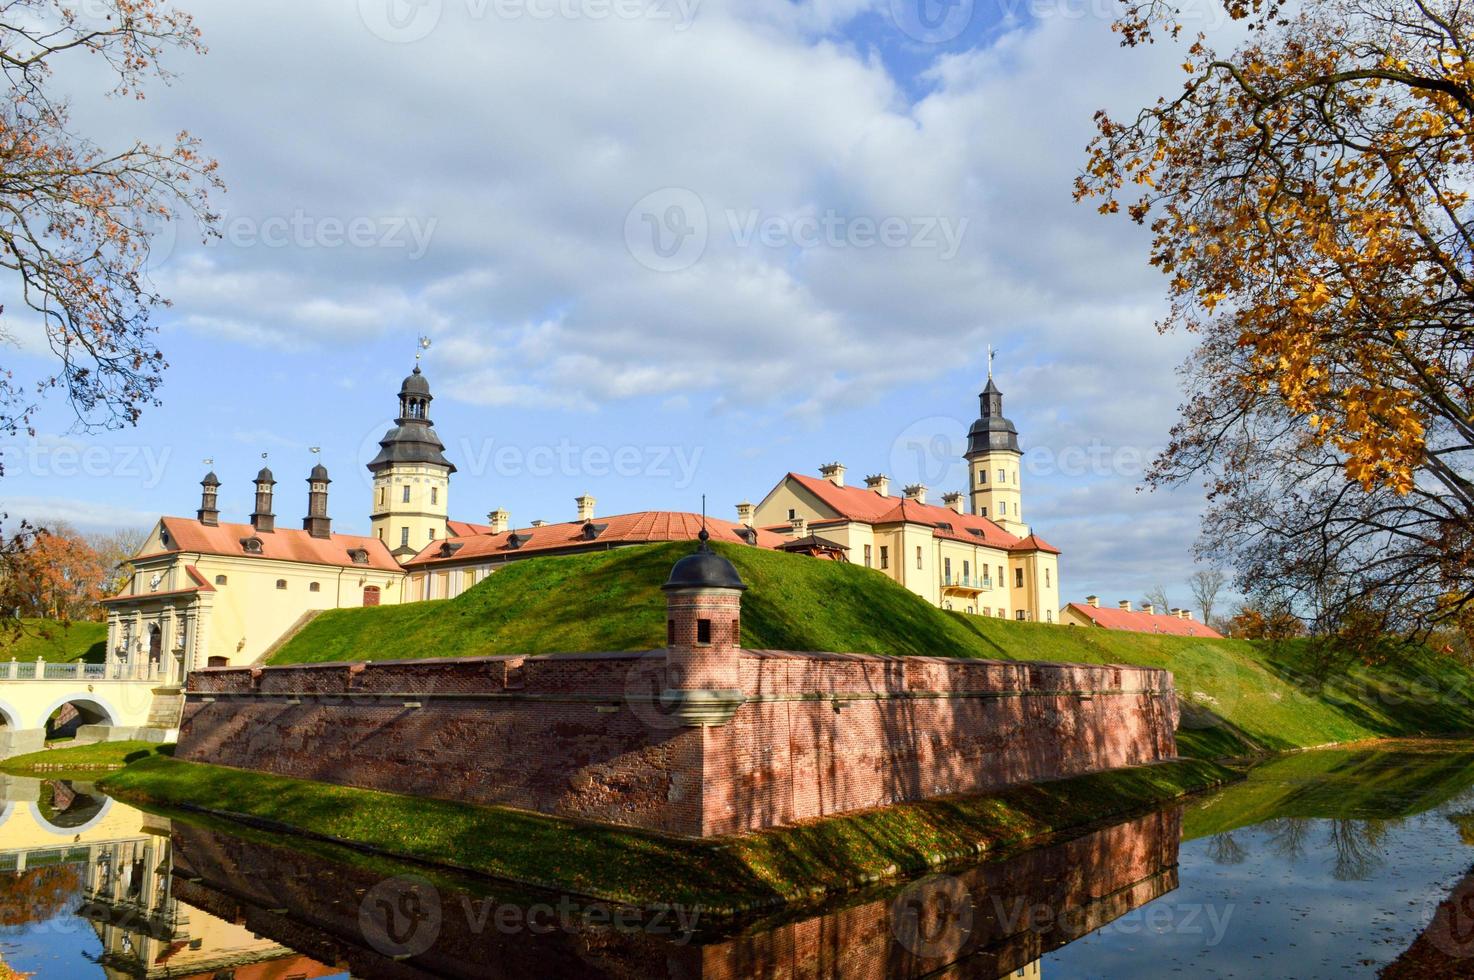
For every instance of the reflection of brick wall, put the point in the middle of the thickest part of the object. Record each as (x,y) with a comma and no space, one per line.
(581,735)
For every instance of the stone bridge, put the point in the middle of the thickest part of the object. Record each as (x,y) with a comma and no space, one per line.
(93,702)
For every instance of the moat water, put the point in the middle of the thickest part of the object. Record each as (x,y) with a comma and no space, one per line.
(1324,864)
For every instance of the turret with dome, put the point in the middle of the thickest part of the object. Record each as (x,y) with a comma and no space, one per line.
(411,474)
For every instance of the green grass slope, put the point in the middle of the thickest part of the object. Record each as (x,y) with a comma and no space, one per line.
(55,642)
(1237,696)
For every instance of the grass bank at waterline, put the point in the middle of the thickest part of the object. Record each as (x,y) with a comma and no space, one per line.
(100,756)
(720,875)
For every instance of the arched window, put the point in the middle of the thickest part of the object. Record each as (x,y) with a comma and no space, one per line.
(314,587)
(370,595)
(281,583)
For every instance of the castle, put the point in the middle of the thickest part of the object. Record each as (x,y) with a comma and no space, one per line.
(207,593)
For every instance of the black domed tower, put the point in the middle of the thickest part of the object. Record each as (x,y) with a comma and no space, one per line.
(209,512)
(411,474)
(262,519)
(703,600)
(993,457)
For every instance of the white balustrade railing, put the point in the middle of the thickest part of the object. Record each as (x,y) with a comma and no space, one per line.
(114,670)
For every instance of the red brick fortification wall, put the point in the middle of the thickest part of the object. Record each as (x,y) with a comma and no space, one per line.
(584,735)
(825,733)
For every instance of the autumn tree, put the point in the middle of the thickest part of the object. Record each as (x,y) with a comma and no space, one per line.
(77,218)
(1308,198)
(114,549)
(59,576)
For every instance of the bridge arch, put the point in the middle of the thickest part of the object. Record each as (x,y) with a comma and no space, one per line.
(94,816)
(9,716)
(93,709)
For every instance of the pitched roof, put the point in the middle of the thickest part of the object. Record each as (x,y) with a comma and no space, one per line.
(1140,621)
(198,583)
(284,544)
(466,527)
(639,528)
(869,507)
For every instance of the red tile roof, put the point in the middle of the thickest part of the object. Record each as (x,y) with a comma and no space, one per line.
(284,544)
(458,528)
(623,529)
(869,507)
(1138,621)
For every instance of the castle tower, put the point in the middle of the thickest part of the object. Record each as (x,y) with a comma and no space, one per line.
(317,522)
(993,457)
(262,519)
(209,512)
(411,475)
(703,598)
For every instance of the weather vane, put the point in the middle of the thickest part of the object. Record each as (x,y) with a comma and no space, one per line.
(208,462)
(991,354)
(314,449)
(424,345)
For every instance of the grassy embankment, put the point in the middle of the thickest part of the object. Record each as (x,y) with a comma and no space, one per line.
(721,875)
(83,758)
(54,642)
(1238,697)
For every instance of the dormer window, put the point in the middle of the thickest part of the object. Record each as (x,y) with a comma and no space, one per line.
(449,548)
(591,530)
(252,545)
(164,538)
(515,540)
(359,556)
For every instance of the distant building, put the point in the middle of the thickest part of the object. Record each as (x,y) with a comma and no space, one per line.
(1147,619)
(987,562)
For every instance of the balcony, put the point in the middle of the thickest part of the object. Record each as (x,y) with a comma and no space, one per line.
(965,584)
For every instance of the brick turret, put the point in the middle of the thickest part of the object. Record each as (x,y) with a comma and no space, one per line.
(703,635)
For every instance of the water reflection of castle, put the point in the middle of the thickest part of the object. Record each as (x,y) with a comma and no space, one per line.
(121,863)
(182,901)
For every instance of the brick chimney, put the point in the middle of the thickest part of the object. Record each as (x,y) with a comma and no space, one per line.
(916,492)
(703,601)
(953,501)
(209,512)
(880,483)
(1124,604)
(747,514)
(833,472)
(499,520)
(585,508)
(799,527)
(1093,601)
(262,519)
(317,523)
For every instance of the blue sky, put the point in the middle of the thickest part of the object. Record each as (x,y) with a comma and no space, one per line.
(662,250)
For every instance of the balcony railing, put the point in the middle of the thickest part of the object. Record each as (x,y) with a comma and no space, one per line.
(17,670)
(973,582)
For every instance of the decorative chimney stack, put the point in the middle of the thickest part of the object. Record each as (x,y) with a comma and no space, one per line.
(916,492)
(585,508)
(703,601)
(1124,605)
(499,520)
(747,513)
(834,473)
(209,512)
(317,522)
(262,519)
(1093,601)
(799,526)
(953,501)
(880,483)
(1148,608)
